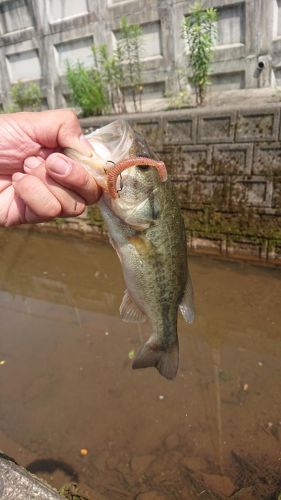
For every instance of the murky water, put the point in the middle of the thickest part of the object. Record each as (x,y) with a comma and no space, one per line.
(66,381)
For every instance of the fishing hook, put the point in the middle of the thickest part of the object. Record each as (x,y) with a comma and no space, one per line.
(109,161)
(116,170)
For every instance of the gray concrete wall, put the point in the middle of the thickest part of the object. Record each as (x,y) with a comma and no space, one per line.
(38,36)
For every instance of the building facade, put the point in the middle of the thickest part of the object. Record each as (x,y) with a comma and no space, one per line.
(38,37)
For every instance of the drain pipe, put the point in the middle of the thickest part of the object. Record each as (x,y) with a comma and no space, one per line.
(263,71)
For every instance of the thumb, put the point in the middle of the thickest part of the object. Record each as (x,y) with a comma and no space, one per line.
(57,128)
(70,135)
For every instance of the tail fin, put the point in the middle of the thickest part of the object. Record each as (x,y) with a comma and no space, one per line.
(165,360)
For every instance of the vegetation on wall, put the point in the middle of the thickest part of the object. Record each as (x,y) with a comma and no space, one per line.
(122,72)
(128,53)
(199,32)
(88,90)
(25,97)
(113,78)
(116,78)
(112,74)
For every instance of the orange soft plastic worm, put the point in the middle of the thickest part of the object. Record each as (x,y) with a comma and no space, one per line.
(113,173)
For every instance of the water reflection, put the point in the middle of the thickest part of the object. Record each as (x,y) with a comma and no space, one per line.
(67,382)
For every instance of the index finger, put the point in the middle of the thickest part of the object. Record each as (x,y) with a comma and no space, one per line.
(51,129)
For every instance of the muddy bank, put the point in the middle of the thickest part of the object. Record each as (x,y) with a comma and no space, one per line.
(66,381)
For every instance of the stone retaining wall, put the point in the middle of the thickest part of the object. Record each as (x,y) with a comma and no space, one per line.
(226,168)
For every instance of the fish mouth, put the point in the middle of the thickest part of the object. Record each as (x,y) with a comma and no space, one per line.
(137,161)
(116,147)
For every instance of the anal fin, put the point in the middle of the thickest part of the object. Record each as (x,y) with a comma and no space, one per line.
(129,311)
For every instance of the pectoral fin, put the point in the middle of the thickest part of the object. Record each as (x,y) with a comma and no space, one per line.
(129,311)
(187,303)
(141,243)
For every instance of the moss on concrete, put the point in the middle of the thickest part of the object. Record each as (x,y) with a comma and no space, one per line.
(246,223)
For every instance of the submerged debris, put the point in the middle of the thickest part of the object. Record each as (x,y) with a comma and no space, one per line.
(131,354)
(70,491)
(264,481)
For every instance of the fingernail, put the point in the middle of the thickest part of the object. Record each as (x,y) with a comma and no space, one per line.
(86,145)
(59,166)
(17,176)
(32,162)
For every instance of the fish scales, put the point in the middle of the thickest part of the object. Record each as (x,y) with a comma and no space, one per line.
(164,275)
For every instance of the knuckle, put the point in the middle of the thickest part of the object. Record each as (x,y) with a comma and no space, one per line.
(70,115)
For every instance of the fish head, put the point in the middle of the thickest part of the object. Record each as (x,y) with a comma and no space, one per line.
(136,182)
(110,144)
(122,163)
(136,185)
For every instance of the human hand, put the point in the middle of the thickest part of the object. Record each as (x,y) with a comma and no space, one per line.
(37,181)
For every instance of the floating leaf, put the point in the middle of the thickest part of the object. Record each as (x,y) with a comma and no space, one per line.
(131,354)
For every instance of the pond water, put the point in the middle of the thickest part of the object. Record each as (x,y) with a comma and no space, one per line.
(66,381)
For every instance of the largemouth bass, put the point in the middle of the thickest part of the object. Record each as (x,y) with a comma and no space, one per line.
(147,231)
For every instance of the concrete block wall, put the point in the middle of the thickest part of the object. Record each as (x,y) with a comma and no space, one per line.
(226,169)
(37,37)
